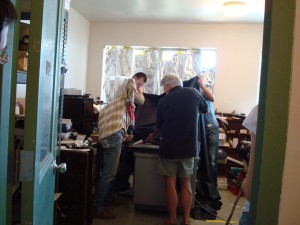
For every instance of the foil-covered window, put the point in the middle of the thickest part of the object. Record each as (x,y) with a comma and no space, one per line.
(122,62)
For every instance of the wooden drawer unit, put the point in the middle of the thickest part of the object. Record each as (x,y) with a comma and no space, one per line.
(75,203)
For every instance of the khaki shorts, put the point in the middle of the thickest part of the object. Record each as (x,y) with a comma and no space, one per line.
(181,168)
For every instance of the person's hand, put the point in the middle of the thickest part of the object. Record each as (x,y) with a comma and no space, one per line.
(139,88)
(132,106)
(129,137)
(150,137)
(200,81)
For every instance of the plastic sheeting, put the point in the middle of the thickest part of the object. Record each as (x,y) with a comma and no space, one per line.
(123,62)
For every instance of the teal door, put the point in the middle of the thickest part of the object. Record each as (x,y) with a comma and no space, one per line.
(37,168)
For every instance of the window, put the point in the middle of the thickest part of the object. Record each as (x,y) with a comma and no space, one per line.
(122,62)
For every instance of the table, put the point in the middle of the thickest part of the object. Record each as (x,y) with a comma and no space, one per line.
(148,185)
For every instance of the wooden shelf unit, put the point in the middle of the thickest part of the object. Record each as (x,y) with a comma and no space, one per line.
(231,127)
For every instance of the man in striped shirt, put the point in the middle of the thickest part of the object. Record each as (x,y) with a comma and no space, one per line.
(113,123)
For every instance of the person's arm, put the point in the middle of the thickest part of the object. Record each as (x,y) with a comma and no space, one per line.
(158,125)
(139,98)
(206,91)
(203,106)
(152,135)
(130,90)
(247,183)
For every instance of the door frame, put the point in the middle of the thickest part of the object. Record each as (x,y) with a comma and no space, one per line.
(273,111)
(39,191)
(7,117)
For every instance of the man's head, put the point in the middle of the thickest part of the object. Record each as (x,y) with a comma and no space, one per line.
(140,79)
(8,16)
(170,81)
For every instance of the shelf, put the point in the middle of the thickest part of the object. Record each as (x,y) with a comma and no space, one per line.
(225,147)
(239,136)
(21,77)
(231,152)
(232,134)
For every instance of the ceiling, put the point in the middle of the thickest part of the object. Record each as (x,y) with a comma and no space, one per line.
(164,11)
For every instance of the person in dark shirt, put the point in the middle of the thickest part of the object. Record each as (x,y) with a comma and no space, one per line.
(177,122)
(8,16)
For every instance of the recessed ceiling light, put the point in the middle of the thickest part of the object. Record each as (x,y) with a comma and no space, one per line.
(235,8)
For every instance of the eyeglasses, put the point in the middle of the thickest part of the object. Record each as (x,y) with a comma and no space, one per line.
(4,56)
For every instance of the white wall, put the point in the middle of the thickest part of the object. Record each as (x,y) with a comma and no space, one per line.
(238,50)
(290,197)
(77,51)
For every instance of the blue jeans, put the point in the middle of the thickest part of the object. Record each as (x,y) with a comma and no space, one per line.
(126,169)
(212,135)
(244,219)
(111,154)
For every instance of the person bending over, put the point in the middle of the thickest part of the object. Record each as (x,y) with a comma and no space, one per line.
(113,123)
(177,121)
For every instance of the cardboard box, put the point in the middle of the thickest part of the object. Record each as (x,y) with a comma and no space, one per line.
(22,60)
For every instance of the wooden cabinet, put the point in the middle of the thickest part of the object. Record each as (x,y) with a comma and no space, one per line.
(80,110)
(75,203)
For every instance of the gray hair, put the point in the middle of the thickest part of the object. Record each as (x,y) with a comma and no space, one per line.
(172,79)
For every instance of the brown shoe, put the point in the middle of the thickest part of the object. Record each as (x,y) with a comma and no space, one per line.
(104,214)
(114,201)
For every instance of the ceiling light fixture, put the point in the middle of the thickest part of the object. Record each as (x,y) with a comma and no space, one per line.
(235,8)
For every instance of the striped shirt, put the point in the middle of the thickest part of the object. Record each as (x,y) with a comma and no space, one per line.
(114,117)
